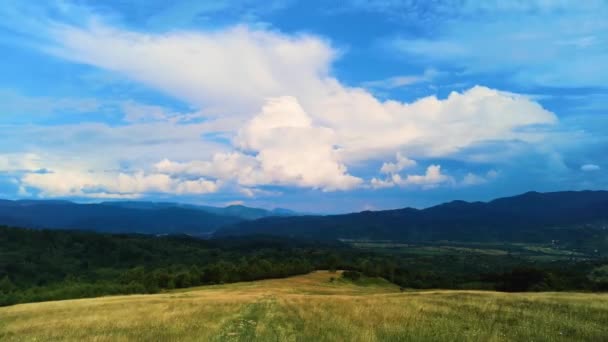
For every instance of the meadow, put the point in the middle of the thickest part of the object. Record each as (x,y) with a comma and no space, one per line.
(320,306)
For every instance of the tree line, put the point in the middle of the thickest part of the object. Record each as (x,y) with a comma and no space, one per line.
(39,265)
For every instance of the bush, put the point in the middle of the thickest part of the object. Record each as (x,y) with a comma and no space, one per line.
(6,285)
(524,279)
(351,275)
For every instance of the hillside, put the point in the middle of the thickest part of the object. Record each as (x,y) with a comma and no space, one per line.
(574,217)
(313,308)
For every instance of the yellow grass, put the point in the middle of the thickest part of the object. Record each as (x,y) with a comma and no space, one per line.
(311,308)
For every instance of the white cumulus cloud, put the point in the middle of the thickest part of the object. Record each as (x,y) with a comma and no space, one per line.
(432,178)
(287,149)
(400,164)
(289,120)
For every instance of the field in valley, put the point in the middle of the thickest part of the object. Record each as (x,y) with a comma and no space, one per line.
(528,251)
(313,307)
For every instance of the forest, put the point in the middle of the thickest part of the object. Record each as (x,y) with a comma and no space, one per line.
(40,265)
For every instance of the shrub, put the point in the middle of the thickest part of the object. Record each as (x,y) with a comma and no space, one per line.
(351,275)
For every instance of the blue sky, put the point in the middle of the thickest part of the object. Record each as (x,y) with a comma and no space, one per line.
(311,105)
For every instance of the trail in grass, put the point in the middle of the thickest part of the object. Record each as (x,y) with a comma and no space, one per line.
(242,328)
(262,319)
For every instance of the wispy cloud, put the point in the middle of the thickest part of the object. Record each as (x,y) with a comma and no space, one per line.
(16,104)
(590,167)
(402,81)
(556,44)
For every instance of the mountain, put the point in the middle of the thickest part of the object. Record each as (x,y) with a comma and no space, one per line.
(577,217)
(284,212)
(132,217)
(240,211)
(531,217)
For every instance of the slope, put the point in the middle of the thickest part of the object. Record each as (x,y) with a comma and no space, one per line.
(312,308)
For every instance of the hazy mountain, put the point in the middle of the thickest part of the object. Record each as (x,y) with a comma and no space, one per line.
(284,212)
(240,211)
(528,217)
(136,217)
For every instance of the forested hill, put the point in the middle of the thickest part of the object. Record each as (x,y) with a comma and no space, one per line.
(530,217)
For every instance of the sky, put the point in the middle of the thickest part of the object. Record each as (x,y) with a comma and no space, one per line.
(316,106)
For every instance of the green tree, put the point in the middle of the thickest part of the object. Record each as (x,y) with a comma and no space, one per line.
(6,285)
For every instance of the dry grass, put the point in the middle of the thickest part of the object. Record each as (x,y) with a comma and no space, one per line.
(311,308)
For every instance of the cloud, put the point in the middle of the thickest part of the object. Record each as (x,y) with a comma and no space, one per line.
(471,179)
(17,104)
(400,164)
(420,9)
(402,81)
(291,123)
(291,150)
(137,112)
(170,14)
(590,167)
(207,69)
(68,183)
(97,146)
(229,70)
(198,186)
(432,178)
(430,127)
(288,151)
(516,39)
(18,162)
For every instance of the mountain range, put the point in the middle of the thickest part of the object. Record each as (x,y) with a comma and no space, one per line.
(576,217)
(128,216)
(530,217)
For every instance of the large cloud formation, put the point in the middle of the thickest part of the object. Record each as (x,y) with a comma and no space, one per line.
(289,121)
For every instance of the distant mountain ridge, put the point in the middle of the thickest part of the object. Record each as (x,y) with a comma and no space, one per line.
(574,217)
(237,210)
(531,216)
(125,217)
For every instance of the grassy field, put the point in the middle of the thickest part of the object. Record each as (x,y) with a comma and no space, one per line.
(540,252)
(313,308)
